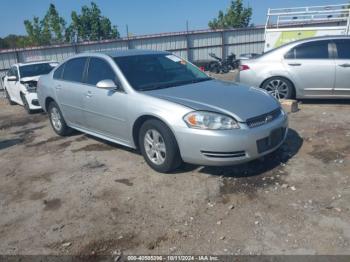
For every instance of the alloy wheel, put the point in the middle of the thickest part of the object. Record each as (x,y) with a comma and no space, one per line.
(278,88)
(56,119)
(155,146)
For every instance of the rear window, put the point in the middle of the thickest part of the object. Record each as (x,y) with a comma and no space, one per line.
(74,69)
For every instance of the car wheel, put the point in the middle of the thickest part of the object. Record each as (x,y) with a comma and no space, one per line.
(57,121)
(25,104)
(279,87)
(225,69)
(9,98)
(214,67)
(159,147)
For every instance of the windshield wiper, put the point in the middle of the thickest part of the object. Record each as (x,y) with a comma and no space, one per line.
(167,85)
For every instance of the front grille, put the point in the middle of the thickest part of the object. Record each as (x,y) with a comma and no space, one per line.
(263,119)
(271,141)
(223,154)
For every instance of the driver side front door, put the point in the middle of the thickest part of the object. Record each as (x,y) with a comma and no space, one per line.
(105,110)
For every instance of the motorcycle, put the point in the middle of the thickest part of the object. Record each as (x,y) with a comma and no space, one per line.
(223,65)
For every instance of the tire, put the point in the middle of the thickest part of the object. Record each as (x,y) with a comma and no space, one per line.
(25,104)
(214,67)
(159,147)
(225,69)
(279,87)
(57,121)
(9,98)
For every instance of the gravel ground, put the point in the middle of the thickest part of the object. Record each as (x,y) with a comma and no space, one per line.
(81,195)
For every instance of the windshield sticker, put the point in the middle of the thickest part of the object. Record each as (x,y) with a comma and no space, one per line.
(174,58)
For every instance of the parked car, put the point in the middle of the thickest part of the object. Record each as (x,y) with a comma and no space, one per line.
(248,56)
(20,83)
(163,105)
(311,68)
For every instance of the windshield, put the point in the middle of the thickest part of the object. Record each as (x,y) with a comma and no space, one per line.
(156,71)
(36,69)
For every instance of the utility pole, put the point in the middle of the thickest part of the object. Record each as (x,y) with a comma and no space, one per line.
(127,31)
(127,37)
(188,43)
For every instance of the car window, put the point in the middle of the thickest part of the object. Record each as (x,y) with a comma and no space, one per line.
(343,48)
(15,72)
(310,50)
(98,70)
(10,72)
(35,69)
(74,69)
(58,72)
(156,71)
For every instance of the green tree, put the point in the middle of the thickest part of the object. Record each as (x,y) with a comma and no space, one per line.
(236,16)
(90,25)
(48,30)
(13,41)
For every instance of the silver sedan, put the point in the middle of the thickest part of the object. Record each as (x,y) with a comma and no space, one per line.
(164,106)
(311,68)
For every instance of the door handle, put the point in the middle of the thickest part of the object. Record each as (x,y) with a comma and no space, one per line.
(89,94)
(58,87)
(345,65)
(294,64)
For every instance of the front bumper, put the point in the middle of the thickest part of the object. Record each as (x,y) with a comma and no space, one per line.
(32,99)
(230,147)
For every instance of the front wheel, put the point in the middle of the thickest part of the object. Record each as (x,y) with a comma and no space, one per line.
(25,104)
(57,121)
(159,147)
(279,87)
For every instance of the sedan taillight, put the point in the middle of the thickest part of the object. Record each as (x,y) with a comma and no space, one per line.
(244,67)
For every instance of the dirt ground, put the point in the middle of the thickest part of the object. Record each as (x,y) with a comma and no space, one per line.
(81,195)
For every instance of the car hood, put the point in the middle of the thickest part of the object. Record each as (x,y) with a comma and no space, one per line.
(233,99)
(30,79)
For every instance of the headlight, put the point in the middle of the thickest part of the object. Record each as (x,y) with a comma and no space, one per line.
(30,87)
(210,121)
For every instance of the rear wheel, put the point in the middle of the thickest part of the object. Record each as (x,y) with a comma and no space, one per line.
(214,67)
(159,147)
(57,121)
(279,87)
(25,104)
(9,98)
(225,69)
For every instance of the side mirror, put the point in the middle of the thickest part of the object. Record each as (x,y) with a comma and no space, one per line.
(107,84)
(12,78)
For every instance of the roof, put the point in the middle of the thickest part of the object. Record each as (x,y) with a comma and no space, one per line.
(329,37)
(120,53)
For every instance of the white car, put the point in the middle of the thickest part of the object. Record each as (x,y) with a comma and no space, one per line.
(21,80)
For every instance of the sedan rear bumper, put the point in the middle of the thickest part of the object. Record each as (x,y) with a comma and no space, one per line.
(230,147)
